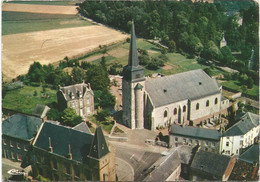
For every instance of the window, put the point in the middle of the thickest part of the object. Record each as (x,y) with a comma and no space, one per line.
(165,114)
(206,143)
(175,111)
(18,146)
(241,142)
(237,151)
(88,110)
(88,101)
(216,100)
(207,103)
(38,158)
(13,156)
(227,144)
(197,142)
(54,161)
(184,140)
(26,148)
(80,103)
(76,169)
(4,141)
(19,157)
(184,108)
(176,139)
(227,151)
(11,144)
(197,106)
(137,76)
(67,168)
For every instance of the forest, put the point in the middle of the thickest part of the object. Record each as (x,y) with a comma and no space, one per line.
(192,28)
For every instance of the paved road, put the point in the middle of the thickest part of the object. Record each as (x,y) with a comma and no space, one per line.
(8,165)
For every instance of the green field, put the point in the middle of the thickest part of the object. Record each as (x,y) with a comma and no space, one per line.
(23,99)
(237,86)
(61,3)
(20,22)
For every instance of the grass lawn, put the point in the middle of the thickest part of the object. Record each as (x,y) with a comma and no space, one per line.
(105,127)
(20,22)
(23,99)
(237,86)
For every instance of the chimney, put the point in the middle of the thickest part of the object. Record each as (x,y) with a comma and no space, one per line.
(50,147)
(69,154)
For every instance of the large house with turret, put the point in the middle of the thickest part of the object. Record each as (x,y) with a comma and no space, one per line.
(191,98)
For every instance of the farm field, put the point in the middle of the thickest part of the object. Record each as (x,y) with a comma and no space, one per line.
(37,8)
(20,22)
(59,3)
(21,50)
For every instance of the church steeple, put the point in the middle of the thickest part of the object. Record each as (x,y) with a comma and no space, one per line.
(133,57)
(133,71)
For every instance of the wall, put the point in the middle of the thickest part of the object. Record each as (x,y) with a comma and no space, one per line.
(206,145)
(203,109)
(175,174)
(17,150)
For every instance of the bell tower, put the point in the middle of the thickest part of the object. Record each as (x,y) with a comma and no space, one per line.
(133,88)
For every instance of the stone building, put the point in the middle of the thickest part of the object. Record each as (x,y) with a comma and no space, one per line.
(79,97)
(241,135)
(61,153)
(18,132)
(207,139)
(186,98)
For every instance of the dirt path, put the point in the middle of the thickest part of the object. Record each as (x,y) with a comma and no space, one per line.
(21,50)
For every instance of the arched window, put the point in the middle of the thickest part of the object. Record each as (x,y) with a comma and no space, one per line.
(197,106)
(207,103)
(216,100)
(184,108)
(165,114)
(175,111)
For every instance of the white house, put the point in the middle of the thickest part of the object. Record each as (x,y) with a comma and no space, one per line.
(240,135)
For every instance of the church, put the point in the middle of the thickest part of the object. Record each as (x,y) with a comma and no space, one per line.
(190,98)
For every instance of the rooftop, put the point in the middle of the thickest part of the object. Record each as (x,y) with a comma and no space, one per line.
(64,140)
(82,127)
(41,110)
(170,89)
(251,155)
(189,131)
(21,126)
(207,162)
(245,124)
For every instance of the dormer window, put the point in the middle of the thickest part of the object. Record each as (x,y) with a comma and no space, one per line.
(72,95)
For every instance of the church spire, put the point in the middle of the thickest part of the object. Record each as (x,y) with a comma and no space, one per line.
(133,58)
(99,146)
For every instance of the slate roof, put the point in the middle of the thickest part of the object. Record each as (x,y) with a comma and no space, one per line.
(74,90)
(164,167)
(251,155)
(189,131)
(21,126)
(82,127)
(246,123)
(133,57)
(99,146)
(61,137)
(214,164)
(41,110)
(190,85)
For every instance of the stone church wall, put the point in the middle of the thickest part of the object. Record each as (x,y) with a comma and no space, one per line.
(203,109)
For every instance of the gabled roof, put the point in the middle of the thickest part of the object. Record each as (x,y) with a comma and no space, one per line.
(251,155)
(190,85)
(75,91)
(99,146)
(21,126)
(200,133)
(82,127)
(210,163)
(164,167)
(41,110)
(245,124)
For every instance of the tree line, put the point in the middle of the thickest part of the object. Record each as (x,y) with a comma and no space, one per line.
(192,28)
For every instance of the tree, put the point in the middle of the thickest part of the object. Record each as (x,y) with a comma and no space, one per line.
(155,64)
(70,118)
(227,57)
(172,46)
(104,98)
(78,75)
(250,83)
(98,78)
